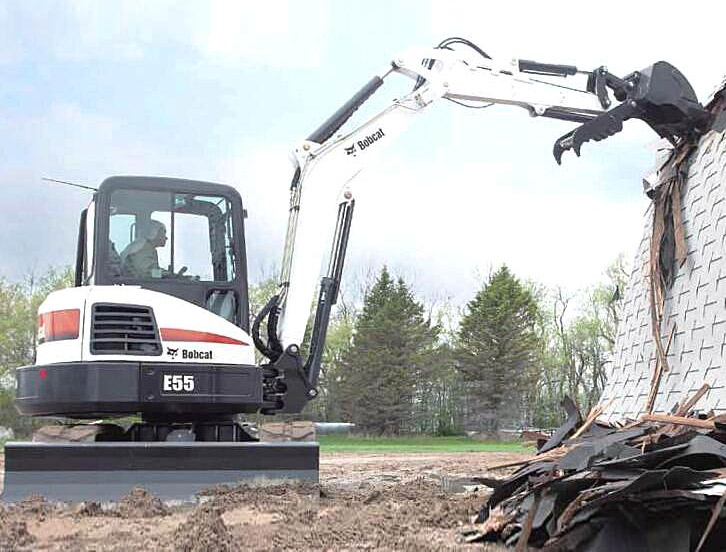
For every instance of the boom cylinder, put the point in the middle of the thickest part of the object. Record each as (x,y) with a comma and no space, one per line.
(345,112)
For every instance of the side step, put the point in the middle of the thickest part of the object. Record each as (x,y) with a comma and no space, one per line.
(107,471)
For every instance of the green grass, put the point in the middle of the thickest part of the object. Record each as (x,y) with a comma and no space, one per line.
(336,443)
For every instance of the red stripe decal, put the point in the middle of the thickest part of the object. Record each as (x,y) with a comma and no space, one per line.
(176,334)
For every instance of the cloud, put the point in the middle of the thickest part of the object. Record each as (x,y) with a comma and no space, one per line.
(9,46)
(276,33)
(444,223)
(450,226)
(67,142)
(261,173)
(624,40)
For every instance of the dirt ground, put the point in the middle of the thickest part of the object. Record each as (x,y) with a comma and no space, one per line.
(364,501)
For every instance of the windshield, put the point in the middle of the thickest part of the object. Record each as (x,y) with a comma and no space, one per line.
(155,235)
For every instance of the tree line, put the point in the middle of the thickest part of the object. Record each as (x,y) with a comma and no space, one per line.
(394,364)
(515,351)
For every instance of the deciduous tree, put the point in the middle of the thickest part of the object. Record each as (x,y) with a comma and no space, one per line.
(19,302)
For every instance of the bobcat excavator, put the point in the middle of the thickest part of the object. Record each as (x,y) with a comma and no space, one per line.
(157,325)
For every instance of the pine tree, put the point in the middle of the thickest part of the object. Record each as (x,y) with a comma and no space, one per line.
(497,348)
(392,345)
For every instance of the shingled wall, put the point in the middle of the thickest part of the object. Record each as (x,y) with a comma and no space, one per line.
(695,304)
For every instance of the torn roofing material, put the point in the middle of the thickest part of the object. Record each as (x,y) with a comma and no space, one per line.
(635,489)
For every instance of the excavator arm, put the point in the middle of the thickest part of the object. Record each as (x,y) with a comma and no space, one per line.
(458,71)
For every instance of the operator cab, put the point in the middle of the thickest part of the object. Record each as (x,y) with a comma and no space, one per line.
(179,237)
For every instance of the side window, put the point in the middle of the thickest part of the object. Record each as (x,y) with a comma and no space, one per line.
(203,243)
(223,303)
(191,245)
(122,231)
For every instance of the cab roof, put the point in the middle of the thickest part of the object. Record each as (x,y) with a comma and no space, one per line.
(163,183)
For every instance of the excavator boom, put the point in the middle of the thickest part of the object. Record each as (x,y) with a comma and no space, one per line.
(327,162)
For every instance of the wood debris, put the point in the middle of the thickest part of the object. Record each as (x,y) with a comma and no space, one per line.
(679,420)
(658,372)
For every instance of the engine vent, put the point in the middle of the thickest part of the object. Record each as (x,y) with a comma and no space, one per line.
(124,330)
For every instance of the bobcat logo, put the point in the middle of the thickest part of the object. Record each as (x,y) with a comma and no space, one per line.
(350,150)
(172,352)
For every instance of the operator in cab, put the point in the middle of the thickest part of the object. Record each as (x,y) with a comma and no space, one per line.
(140,259)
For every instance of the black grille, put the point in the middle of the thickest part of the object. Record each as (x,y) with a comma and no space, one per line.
(124,330)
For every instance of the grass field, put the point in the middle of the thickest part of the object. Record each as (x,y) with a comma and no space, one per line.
(336,443)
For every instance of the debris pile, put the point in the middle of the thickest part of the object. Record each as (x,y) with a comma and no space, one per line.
(140,503)
(656,483)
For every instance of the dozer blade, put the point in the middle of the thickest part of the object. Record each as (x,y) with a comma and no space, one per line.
(106,471)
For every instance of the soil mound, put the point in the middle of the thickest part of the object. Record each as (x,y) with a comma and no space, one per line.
(204,530)
(140,503)
(425,502)
(34,505)
(268,497)
(13,533)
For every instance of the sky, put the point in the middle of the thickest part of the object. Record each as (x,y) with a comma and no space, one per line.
(222,91)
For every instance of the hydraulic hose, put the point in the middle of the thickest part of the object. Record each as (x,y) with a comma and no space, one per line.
(267,351)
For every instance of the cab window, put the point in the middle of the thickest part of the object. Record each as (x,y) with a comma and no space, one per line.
(166,235)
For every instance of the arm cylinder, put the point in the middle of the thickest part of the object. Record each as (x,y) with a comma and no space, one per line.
(551,69)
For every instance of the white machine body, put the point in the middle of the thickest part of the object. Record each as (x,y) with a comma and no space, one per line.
(188,333)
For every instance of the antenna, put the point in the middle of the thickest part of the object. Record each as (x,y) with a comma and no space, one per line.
(70,184)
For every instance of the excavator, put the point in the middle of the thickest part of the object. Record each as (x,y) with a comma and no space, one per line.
(157,326)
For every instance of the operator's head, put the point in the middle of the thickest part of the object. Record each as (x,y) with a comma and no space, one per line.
(156,233)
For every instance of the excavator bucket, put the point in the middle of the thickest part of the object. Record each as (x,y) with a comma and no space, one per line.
(659,95)
(106,471)
(668,103)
